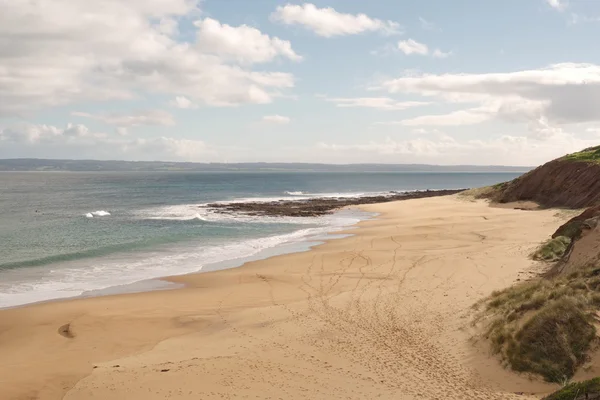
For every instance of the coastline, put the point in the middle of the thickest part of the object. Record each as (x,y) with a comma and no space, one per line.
(349,216)
(276,312)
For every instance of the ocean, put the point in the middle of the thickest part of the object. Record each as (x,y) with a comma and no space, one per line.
(67,234)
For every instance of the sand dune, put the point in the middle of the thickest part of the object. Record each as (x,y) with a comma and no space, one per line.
(382,314)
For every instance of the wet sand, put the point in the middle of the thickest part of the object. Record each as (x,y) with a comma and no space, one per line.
(384,314)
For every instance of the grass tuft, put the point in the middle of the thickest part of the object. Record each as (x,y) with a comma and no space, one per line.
(591,154)
(553,249)
(545,326)
(577,391)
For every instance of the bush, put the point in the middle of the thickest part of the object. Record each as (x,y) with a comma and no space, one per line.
(554,342)
(577,391)
(553,249)
(545,326)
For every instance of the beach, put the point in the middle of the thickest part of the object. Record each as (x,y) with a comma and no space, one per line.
(384,313)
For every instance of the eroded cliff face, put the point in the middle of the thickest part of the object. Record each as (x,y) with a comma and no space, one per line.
(559,183)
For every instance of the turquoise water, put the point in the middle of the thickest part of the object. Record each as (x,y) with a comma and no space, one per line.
(65,234)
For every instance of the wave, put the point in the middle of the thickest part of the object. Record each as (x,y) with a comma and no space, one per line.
(100,213)
(84,276)
(200,212)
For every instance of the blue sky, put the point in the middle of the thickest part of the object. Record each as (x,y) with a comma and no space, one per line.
(338,81)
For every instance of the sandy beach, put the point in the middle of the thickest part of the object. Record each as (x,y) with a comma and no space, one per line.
(384,313)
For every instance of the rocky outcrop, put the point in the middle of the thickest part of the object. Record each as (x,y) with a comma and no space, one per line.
(573,227)
(559,183)
(584,249)
(318,206)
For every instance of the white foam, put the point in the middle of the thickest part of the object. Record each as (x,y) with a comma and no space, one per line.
(189,212)
(100,213)
(22,286)
(295,193)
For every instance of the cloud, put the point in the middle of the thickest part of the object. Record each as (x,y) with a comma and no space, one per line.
(410,47)
(456,118)
(427,25)
(562,93)
(243,44)
(383,103)
(582,19)
(40,134)
(137,118)
(121,131)
(57,52)
(559,5)
(437,53)
(182,102)
(276,119)
(444,149)
(327,22)
(77,141)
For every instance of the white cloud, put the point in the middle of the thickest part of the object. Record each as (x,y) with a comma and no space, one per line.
(327,22)
(437,53)
(563,93)
(77,141)
(383,103)
(559,5)
(121,131)
(456,118)
(541,129)
(40,134)
(582,19)
(182,102)
(244,43)
(411,46)
(276,119)
(419,146)
(423,131)
(56,52)
(137,118)
(443,149)
(427,25)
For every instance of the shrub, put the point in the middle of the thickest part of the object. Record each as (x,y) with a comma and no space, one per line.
(545,326)
(577,391)
(553,249)
(554,342)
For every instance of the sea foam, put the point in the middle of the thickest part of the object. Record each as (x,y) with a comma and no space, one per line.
(89,275)
(100,213)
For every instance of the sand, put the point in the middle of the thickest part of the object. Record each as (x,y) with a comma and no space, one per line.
(383,314)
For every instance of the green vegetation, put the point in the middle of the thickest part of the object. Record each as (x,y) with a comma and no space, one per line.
(553,249)
(486,192)
(545,326)
(577,391)
(590,154)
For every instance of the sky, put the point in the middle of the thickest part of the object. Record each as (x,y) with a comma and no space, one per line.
(512,82)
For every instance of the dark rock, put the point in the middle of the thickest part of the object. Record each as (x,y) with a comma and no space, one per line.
(317,206)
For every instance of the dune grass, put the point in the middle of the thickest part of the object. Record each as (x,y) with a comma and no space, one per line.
(591,154)
(553,249)
(545,326)
(486,192)
(577,391)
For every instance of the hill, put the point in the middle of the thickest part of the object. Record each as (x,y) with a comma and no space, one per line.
(571,181)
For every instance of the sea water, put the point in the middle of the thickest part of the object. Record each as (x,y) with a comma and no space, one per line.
(66,234)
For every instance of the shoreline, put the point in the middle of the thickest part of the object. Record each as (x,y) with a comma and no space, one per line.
(159,283)
(227,313)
